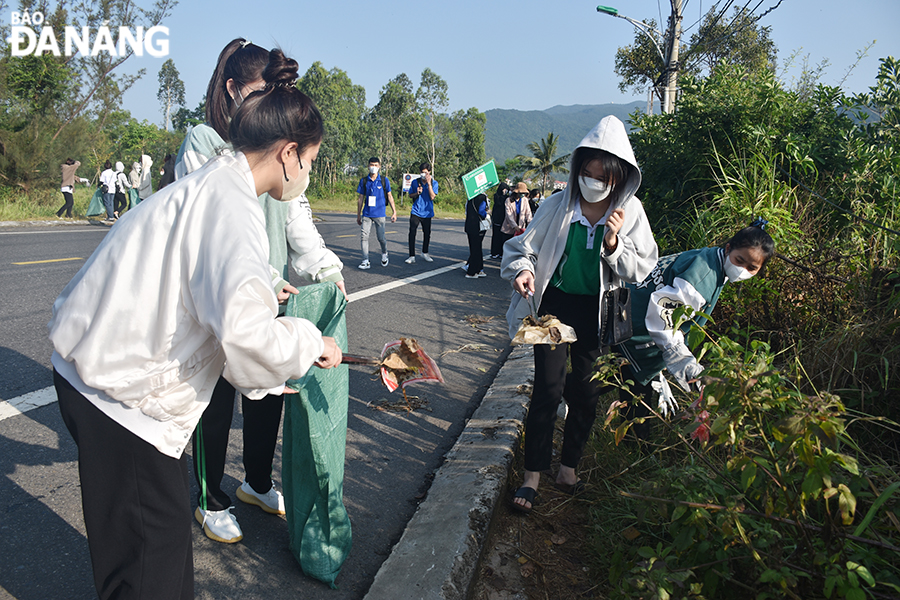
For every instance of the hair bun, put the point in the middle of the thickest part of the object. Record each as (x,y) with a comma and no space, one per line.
(281,70)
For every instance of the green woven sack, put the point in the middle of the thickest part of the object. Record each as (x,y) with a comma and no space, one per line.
(315,436)
(96,207)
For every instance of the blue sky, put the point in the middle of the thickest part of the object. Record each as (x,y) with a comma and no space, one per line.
(524,55)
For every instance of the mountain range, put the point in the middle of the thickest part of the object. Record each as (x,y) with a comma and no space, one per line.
(507,131)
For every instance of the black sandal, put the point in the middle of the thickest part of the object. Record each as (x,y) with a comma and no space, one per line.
(529,495)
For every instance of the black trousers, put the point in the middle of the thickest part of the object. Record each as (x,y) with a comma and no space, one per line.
(261,421)
(476,258)
(136,504)
(552,382)
(121,202)
(426,233)
(67,207)
(498,238)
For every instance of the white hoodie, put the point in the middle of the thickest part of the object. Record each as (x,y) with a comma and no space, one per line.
(178,286)
(540,248)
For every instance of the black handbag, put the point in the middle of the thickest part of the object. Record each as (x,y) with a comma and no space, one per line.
(616,327)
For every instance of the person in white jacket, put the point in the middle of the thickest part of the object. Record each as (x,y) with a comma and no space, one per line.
(178,291)
(122,186)
(291,233)
(108,188)
(583,242)
(145,189)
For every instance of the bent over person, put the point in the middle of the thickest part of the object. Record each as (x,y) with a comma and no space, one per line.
(134,377)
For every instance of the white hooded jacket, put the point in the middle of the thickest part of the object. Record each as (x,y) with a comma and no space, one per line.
(179,289)
(145,190)
(541,247)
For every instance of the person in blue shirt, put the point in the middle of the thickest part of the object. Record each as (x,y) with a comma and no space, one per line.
(423,191)
(695,279)
(373,192)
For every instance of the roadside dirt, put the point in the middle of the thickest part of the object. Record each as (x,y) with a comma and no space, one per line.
(539,556)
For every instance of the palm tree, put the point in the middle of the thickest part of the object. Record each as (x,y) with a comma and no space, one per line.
(541,161)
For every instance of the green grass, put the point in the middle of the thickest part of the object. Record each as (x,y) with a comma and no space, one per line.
(42,204)
(15,205)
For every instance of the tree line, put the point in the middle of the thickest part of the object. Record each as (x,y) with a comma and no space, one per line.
(54,107)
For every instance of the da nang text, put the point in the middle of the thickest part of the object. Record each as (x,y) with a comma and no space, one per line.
(25,40)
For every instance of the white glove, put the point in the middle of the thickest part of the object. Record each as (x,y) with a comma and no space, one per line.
(667,404)
(681,364)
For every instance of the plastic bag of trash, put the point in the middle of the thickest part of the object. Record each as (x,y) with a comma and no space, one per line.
(547,330)
(315,436)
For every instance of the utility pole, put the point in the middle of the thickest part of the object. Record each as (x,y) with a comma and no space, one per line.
(674,35)
(670,40)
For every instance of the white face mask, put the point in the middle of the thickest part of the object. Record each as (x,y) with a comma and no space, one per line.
(593,190)
(373,170)
(294,187)
(735,273)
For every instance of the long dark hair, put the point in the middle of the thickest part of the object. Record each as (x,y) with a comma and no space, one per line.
(280,112)
(242,62)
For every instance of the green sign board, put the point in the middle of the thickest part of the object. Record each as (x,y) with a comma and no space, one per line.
(480,179)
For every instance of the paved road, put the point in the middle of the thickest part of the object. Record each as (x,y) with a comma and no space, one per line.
(390,455)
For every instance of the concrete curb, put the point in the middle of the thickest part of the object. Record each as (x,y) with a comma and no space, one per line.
(438,554)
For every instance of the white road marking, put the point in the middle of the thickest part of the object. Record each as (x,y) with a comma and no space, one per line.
(30,401)
(26,402)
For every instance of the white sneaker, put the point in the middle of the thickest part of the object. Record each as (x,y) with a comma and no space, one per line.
(219,525)
(384,260)
(480,274)
(272,501)
(365,265)
(427,258)
(410,260)
(471,276)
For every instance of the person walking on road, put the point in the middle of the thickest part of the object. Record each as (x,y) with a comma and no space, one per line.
(122,188)
(133,377)
(145,189)
(68,187)
(373,193)
(108,188)
(586,241)
(476,216)
(518,211)
(498,215)
(423,191)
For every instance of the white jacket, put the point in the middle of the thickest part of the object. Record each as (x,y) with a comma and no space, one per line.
(289,225)
(541,247)
(178,289)
(145,189)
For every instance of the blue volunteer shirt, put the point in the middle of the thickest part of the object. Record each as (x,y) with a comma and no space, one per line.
(423,206)
(374,196)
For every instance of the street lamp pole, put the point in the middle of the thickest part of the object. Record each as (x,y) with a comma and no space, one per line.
(673,34)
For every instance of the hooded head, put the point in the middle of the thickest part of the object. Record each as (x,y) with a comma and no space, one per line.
(136,166)
(146,162)
(119,167)
(607,138)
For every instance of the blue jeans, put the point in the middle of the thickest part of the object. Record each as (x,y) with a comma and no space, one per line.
(108,203)
(364,235)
